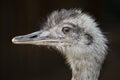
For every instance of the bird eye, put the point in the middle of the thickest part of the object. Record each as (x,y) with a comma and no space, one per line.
(66,30)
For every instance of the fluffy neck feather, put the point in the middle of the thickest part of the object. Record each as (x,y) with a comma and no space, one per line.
(85,68)
(85,65)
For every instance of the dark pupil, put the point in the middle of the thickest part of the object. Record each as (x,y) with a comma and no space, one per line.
(66,29)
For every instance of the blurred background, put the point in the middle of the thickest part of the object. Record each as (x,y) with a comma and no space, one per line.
(27,62)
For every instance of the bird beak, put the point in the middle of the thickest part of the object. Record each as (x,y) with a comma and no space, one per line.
(41,37)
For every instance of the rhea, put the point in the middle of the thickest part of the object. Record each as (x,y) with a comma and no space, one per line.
(76,35)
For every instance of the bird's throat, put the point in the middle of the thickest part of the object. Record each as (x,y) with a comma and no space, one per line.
(84,69)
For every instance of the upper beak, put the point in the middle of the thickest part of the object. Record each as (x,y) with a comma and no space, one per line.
(42,37)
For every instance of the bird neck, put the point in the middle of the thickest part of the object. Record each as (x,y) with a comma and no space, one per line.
(84,67)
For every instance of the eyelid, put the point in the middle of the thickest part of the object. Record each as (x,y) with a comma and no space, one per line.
(69,24)
(66,25)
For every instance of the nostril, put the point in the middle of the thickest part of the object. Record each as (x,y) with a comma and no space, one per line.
(34,36)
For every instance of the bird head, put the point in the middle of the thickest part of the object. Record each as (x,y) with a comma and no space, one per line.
(66,30)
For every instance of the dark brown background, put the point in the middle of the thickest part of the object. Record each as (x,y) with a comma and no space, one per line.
(27,62)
